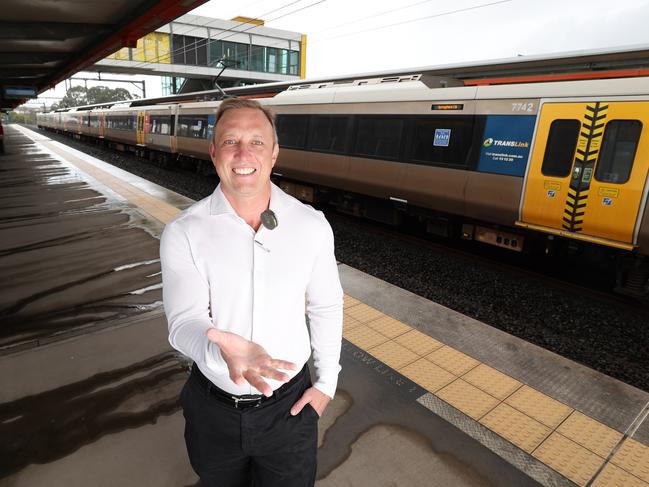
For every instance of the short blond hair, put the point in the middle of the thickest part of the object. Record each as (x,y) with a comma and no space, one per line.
(237,103)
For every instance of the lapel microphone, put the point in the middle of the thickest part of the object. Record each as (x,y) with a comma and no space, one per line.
(268,219)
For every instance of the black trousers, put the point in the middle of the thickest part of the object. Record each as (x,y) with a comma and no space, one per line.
(260,446)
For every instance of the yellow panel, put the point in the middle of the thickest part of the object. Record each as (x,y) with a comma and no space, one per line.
(516,427)
(492,381)
(427,375)
(418,342)
(138,51)
(568,458)
(388,326)
(349,323)
(364,313)
(612,476)
(164,55)
(633,457)
(121,55)
(537,405)
(452,360)
(467,398)
(150,53)
(303,57)
(589,433)
(394,355)
(349,301)
(365,338)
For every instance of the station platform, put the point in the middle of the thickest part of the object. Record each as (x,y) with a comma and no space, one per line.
(426,397)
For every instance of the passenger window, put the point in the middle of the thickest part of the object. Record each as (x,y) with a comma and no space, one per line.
(379,137)
(328,133)
(291,131)
(560,149)
(618,151)
(442,140)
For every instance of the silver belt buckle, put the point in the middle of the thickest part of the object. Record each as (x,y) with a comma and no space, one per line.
(246,401)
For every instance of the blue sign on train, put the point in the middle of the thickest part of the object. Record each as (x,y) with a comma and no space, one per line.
(506,144)
(442,137)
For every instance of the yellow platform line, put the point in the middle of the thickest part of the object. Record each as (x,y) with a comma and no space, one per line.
(156,208)
(567,440)
(570,442)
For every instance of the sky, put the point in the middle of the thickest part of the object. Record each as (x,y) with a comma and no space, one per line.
(360,36)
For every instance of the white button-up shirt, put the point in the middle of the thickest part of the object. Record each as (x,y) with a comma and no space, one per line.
(218,272)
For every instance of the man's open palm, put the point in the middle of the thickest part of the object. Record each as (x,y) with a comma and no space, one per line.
(249,361)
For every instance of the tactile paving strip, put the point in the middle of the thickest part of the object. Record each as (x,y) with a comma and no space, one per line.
(363,313)
(393,354)
(388,326)
(523,431)
(467,398)
(428,375)
(492,381)
(589,433)
(568,458)
(418,342)
(537,405)
(452,360)
(364,337)
(612,476)
(633,457)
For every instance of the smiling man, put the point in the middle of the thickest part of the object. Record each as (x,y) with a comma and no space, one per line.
(235,293)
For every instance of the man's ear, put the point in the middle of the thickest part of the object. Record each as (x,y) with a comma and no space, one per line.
(275,153)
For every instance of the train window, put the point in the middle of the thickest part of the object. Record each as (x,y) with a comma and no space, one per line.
(193,126)
(442,140)
(328,133)
(120,122)
(160,124)
(560,149)
(618,151)
(378,137)
(291,130)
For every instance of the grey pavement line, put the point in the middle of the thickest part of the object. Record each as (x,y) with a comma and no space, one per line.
(525,462)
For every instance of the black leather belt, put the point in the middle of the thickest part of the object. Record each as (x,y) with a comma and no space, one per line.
(246,400)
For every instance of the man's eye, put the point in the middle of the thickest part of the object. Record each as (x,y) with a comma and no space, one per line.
(257,142)
(228,142)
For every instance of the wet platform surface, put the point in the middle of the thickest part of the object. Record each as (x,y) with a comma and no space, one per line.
(91,395)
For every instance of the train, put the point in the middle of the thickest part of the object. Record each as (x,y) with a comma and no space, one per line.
(523,166)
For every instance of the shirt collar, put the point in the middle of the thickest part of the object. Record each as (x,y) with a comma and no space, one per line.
(220,205)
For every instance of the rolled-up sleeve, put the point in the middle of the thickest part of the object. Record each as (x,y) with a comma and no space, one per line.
(186,299)
(324,307)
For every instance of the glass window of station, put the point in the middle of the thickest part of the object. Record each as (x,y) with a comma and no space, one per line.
(163,48)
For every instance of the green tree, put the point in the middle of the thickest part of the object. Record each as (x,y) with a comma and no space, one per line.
(74,97)
(103,94)
(79,95)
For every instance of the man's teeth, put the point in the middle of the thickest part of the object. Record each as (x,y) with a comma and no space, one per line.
(244,170)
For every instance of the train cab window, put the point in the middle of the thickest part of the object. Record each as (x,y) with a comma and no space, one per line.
(291,130)
(560,149)
(441,140)
(378,137)
(329,133)
(618,150)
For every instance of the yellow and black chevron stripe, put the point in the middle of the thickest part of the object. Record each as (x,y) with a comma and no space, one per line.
(585,157)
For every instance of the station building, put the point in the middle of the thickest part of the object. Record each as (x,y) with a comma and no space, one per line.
(192,50)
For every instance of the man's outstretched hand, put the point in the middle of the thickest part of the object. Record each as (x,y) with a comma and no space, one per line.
(248,361)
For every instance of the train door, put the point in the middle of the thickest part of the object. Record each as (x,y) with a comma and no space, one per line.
(587,175)
(140,127)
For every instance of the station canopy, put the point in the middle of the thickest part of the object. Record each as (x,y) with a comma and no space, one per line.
(43,42)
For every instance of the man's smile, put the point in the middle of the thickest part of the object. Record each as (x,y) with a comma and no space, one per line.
(243,171)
